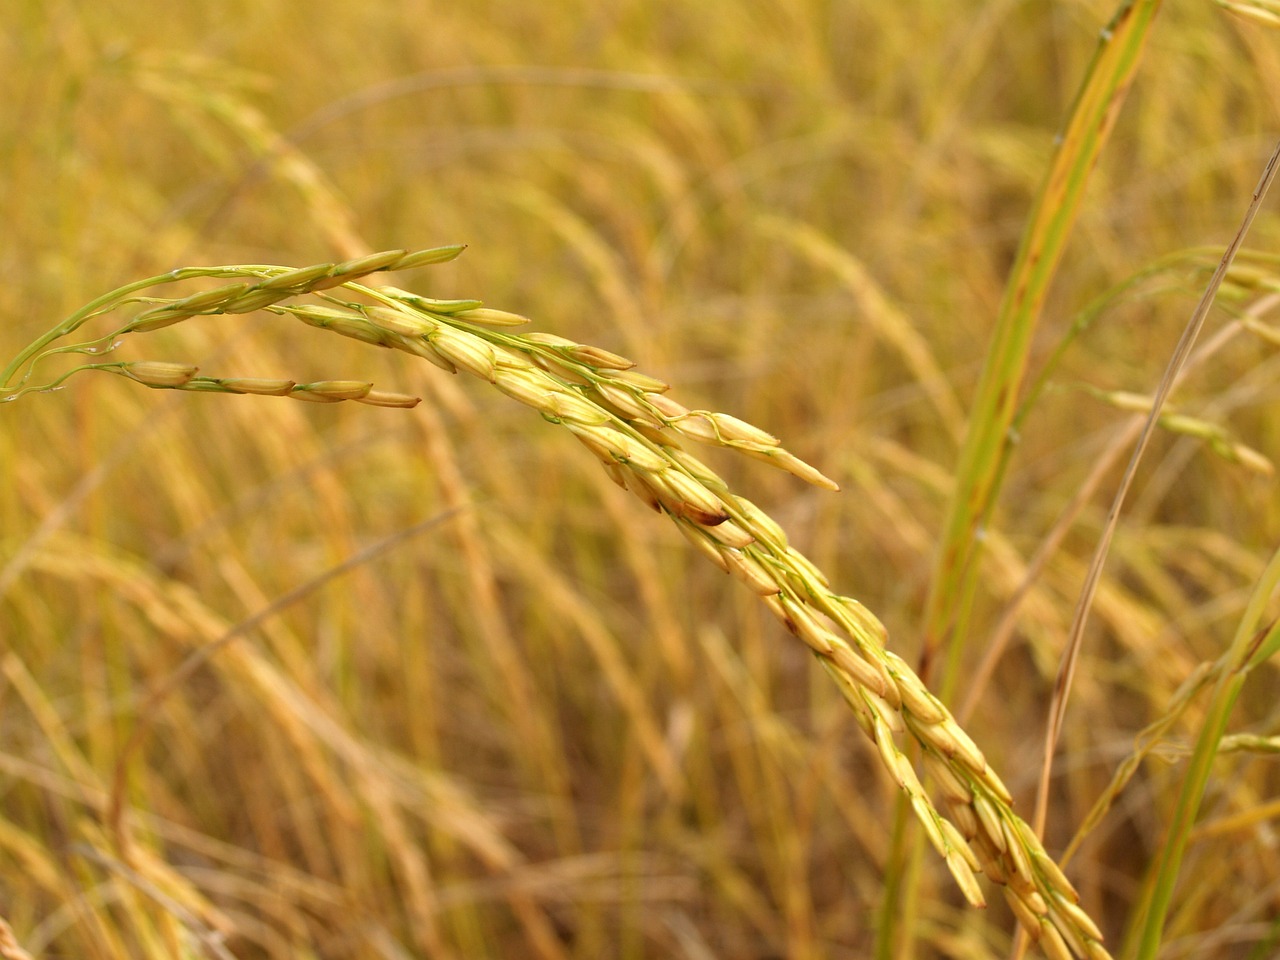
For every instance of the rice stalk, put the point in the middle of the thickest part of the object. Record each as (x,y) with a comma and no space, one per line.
(983,457)
(628,421)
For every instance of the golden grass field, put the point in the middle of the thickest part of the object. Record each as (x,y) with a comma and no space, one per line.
(290,680)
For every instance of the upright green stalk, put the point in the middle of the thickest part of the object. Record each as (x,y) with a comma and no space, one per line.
(1253,645)
(978,474)
(984,455)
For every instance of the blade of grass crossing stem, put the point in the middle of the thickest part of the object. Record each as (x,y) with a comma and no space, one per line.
(1251,639)
(1092,119)
(1066,672)
(1062,685)
(1143,940)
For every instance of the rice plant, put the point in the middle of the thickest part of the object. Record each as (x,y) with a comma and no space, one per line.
(541,729)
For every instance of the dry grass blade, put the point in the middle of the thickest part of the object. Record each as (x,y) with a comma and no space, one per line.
(887,319)
(146,712)
(1071,654)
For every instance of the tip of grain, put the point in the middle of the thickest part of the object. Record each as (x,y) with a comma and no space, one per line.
(423,258)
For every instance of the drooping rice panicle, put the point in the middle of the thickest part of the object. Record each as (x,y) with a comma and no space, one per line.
(628,421)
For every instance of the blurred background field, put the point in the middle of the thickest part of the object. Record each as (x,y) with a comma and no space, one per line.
(541,725)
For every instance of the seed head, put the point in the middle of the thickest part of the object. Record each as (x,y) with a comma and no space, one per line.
(531,387)
(403,322)
(464,350)
(160,373)
(750,571)
(597,357)
(300,279)
(254,385)
(491,318)
(331,391)
(384,398)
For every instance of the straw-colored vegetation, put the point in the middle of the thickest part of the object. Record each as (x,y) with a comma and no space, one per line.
(329,680)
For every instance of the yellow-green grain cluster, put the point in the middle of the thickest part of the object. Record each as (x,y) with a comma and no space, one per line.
(631,424)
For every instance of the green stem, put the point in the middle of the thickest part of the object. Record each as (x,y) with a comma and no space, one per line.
(1249,643)
(84,314)
(979,471)
(109,301)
